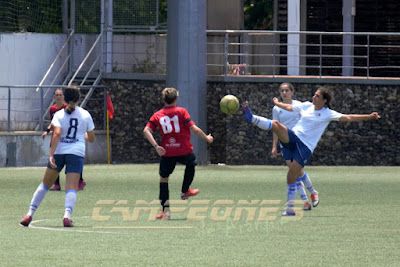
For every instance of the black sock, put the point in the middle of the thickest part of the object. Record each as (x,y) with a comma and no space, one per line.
(81,179)
(57,180)
(164,195)
(187,178)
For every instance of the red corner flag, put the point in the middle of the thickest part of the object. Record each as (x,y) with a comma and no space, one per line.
(110,107)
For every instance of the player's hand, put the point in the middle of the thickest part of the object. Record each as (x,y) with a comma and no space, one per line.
(210,138)
(375,116)
(160,150)
(274,152)
(44,135)
(275,100)
(52,162)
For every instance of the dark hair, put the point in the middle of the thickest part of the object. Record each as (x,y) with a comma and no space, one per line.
(326,94)
(169,95)
(58,89)
(291,87)
(71,96)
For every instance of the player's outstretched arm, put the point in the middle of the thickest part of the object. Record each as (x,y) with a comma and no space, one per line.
(199,132)
(359,117)
(287,107)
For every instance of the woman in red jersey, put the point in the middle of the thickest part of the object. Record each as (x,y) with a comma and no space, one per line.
(176,126)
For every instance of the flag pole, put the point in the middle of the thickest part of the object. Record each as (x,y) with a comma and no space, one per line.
(108,141)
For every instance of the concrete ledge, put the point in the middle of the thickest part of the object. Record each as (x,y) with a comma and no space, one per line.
(22,149)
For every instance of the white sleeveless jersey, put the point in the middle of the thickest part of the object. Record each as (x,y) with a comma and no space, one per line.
(313,123)
(73,129)
(287,118)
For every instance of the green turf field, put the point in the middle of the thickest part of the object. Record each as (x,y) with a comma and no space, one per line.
(357,222)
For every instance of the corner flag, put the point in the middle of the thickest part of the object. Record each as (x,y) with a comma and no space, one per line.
(110,107)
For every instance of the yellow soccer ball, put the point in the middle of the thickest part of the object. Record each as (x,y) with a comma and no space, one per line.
(229,104)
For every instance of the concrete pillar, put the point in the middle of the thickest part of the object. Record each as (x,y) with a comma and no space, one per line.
(293,49)
(348,12)
(186,62)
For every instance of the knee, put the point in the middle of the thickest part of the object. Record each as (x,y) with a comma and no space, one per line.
(275,124)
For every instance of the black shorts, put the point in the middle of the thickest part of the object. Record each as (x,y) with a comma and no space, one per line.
(167,164)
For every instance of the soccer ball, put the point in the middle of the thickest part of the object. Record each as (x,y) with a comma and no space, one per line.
(229,104)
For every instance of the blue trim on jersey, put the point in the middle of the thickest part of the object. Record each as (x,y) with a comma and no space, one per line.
(296,150)
(44,187)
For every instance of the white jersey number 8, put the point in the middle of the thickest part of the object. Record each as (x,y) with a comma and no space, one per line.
(166,124)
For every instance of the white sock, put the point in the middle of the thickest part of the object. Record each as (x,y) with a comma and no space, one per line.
(262,122)
(70,200)
(37,198)
(307,183)
(291,195)
(300,190)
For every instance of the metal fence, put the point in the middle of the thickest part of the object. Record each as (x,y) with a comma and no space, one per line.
(121,13)
(233,53)
(22,106)
(319,53)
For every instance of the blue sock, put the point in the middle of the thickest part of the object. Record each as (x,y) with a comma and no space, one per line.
(300,190)
(37,198)
(262,122)
(291,195)
(308,184)
(70,200)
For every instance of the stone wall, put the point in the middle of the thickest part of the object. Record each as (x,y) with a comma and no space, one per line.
(236,142)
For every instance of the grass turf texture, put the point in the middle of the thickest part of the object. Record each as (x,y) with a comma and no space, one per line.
(357,222)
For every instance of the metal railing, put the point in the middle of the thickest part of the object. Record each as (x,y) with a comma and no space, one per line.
(22,106)
(365,54)
(73,77)
(94,68)
(270,53)
(50,69)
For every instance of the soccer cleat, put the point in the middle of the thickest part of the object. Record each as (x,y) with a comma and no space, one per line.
(247,112)
(26,221)
(289,212)
(159,216)
(189,193)
(307,206)
(166,216)
(315,199)
(68,222)
(56,187)
(81,184)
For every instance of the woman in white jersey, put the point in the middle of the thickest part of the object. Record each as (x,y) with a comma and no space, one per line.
(303,138)
(72,127)
(290,119)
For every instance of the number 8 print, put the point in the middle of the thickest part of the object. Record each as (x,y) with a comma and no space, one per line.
(73,125)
